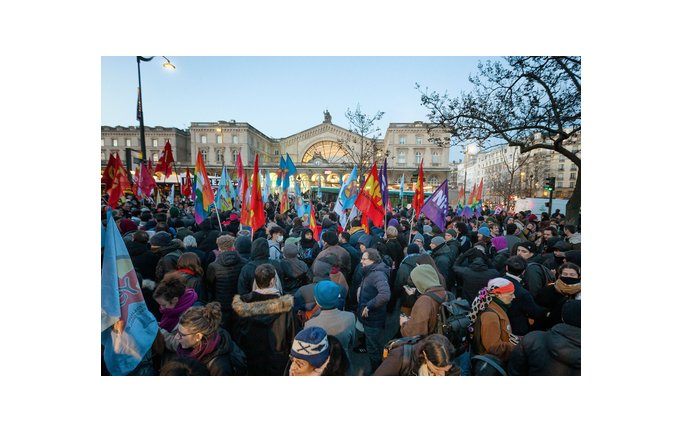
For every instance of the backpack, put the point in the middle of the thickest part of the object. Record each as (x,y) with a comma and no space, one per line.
(547,275)
(453,320)
(408,348)
(487,365)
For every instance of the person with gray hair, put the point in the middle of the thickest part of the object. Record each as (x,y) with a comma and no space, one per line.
(190,243)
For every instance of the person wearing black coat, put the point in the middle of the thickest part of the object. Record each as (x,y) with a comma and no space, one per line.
(440,252)
(222,277)
(523,308)
(473,278)
(260,254)
(207,234)
(144,260)
(552,352)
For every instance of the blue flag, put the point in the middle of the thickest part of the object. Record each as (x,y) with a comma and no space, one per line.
(128,328)
(402,186)
(230,187)
(348,193)
(298,201)
(280,171)
(222,198)
(289,170)
(266,187)
(436,206)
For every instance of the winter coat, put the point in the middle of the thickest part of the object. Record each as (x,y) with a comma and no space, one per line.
(354,255)
(295,273)
(308,249)
(341,254)
(473,278)
(168,259)
(392,364)
(218,362)
(195,282)
(265,330)
(454,249)
(534,276)
(553,352)
(424,316)
(374,294)
(206,239)
(491,333)
(406,266)
(275,250)
(395,251)
(259,255)
(523,308)
(441,255)
(355,234)
(144,260)
(337,323)
(464,242)
(222,277)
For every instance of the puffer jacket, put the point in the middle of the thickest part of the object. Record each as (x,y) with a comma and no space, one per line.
(218,362)
(222,277)
(260,254)
(374,294)
(554,352)
(265,330)
(473,278)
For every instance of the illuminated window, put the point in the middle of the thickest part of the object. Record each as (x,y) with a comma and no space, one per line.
(418,157)
(114,142)
(128,142)
(155,142)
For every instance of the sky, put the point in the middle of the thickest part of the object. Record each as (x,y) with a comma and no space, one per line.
(279,96)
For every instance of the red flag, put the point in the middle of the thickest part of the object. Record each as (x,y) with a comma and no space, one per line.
(256,207)
(418,199)
(369,198)
(472,196)
(119,184)
(187,187)
(312,223)
(147,181)
(479,195)
(108,174)
(246,214)
(165,161)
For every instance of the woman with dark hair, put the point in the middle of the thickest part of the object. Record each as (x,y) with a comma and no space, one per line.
(200,337)
(174,298)
(309,248)
(191,272)
(433,355)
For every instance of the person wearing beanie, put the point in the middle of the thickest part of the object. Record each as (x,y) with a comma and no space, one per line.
(331,246)
(424,314)
(296,273)
(335,321)
(427,232)
(260,254)
(524,313)
(450,237)
(222,277)
(492,330)
(566,287)
(126,227)
(418,239)
(365,241)
(315,353)
(551,353)
(242,244)
(463,238)
(440,252)
(309,247)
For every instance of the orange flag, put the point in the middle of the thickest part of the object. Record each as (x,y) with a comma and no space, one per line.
(369,198)
(472,195)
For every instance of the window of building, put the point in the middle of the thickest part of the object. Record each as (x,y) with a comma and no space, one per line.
(401,140)
(574,168)
(433,181)
(203,139)
(572,177)
(219,156)
(114,142)
(204,155)
(155,157)
(401,157)
(561,167)
(418,140)
(155,142)
(219,139)
(104,156)
(435,158)
(102,142)
(235,153)
(276,152)
(128,142)
(571,185)
(418,157)
(560,184)
(235,139)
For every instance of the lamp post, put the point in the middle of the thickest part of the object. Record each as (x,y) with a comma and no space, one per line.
(140,116)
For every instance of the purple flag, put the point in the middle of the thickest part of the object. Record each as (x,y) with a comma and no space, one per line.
(436,207)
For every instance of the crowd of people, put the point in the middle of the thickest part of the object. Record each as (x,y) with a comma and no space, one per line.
(286,300)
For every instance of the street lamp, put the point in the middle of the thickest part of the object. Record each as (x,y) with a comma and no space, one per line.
(140,116)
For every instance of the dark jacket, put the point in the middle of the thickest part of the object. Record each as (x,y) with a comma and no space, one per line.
(395,251)
(168,258)
(295,273)
(554,352)
(308,249)
(522,308)
(473,278)
(206,236)
(265,330)
(354,255)
(144,260)
(260,254)
(218,362)
(441,255)
(195,282)
(393,364)
(401,278)
(222,277)
(534,276)
(454,248)
(374,294)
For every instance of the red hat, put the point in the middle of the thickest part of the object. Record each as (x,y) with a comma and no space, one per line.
(500,286)
(532,217)
(234,217)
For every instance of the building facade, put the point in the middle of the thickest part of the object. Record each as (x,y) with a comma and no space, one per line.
(116,139)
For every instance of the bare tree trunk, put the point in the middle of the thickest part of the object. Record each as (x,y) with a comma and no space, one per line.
(573,204)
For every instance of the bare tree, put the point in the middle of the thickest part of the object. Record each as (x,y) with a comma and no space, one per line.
(512,103)
(363,151)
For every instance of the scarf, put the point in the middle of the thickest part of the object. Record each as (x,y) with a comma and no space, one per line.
(187,271)
(566,289)
(171,316)
(202,349)
(505,307)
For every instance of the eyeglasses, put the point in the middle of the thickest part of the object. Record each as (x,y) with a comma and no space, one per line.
(183,335)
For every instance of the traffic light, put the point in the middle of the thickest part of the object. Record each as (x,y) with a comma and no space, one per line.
(549,183)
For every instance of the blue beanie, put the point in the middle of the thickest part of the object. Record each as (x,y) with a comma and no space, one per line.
(327,294)
(311,344)
(484,231)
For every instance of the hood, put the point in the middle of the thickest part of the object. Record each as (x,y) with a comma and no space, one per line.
(410,261)
(290,251)
(135,248)
(243,245)
(304,241)
(442,249)
(424,277)
(478,265)
(380,266)
(175,244)
(261,308)
(366,240)
(563,343)
(260,249)
(229,258)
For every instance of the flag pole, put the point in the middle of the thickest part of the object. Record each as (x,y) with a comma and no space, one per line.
(411,220)
(177,180)
(220,225)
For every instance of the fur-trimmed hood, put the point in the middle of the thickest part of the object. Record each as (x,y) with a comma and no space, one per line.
(271,306)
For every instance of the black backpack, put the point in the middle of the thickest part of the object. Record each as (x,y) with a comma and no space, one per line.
(547,275)
(453,320)
(487,365)
(408,348)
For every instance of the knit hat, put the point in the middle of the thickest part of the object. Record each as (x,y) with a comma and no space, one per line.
(127,225)
(451,232)
(500,286)
(500,242)
(292,241)
(174,212)
(424,277)
(234,217)
(570,312)
(327,294)
(412,248)
(418,237)
(438,240)
(393,223)
(427,229)
(243,245)
(161,238)
(528,245)
(485,231)
(311,344)
(290,251)
(532,218)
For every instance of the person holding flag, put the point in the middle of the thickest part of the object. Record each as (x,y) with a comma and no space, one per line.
(128,328)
